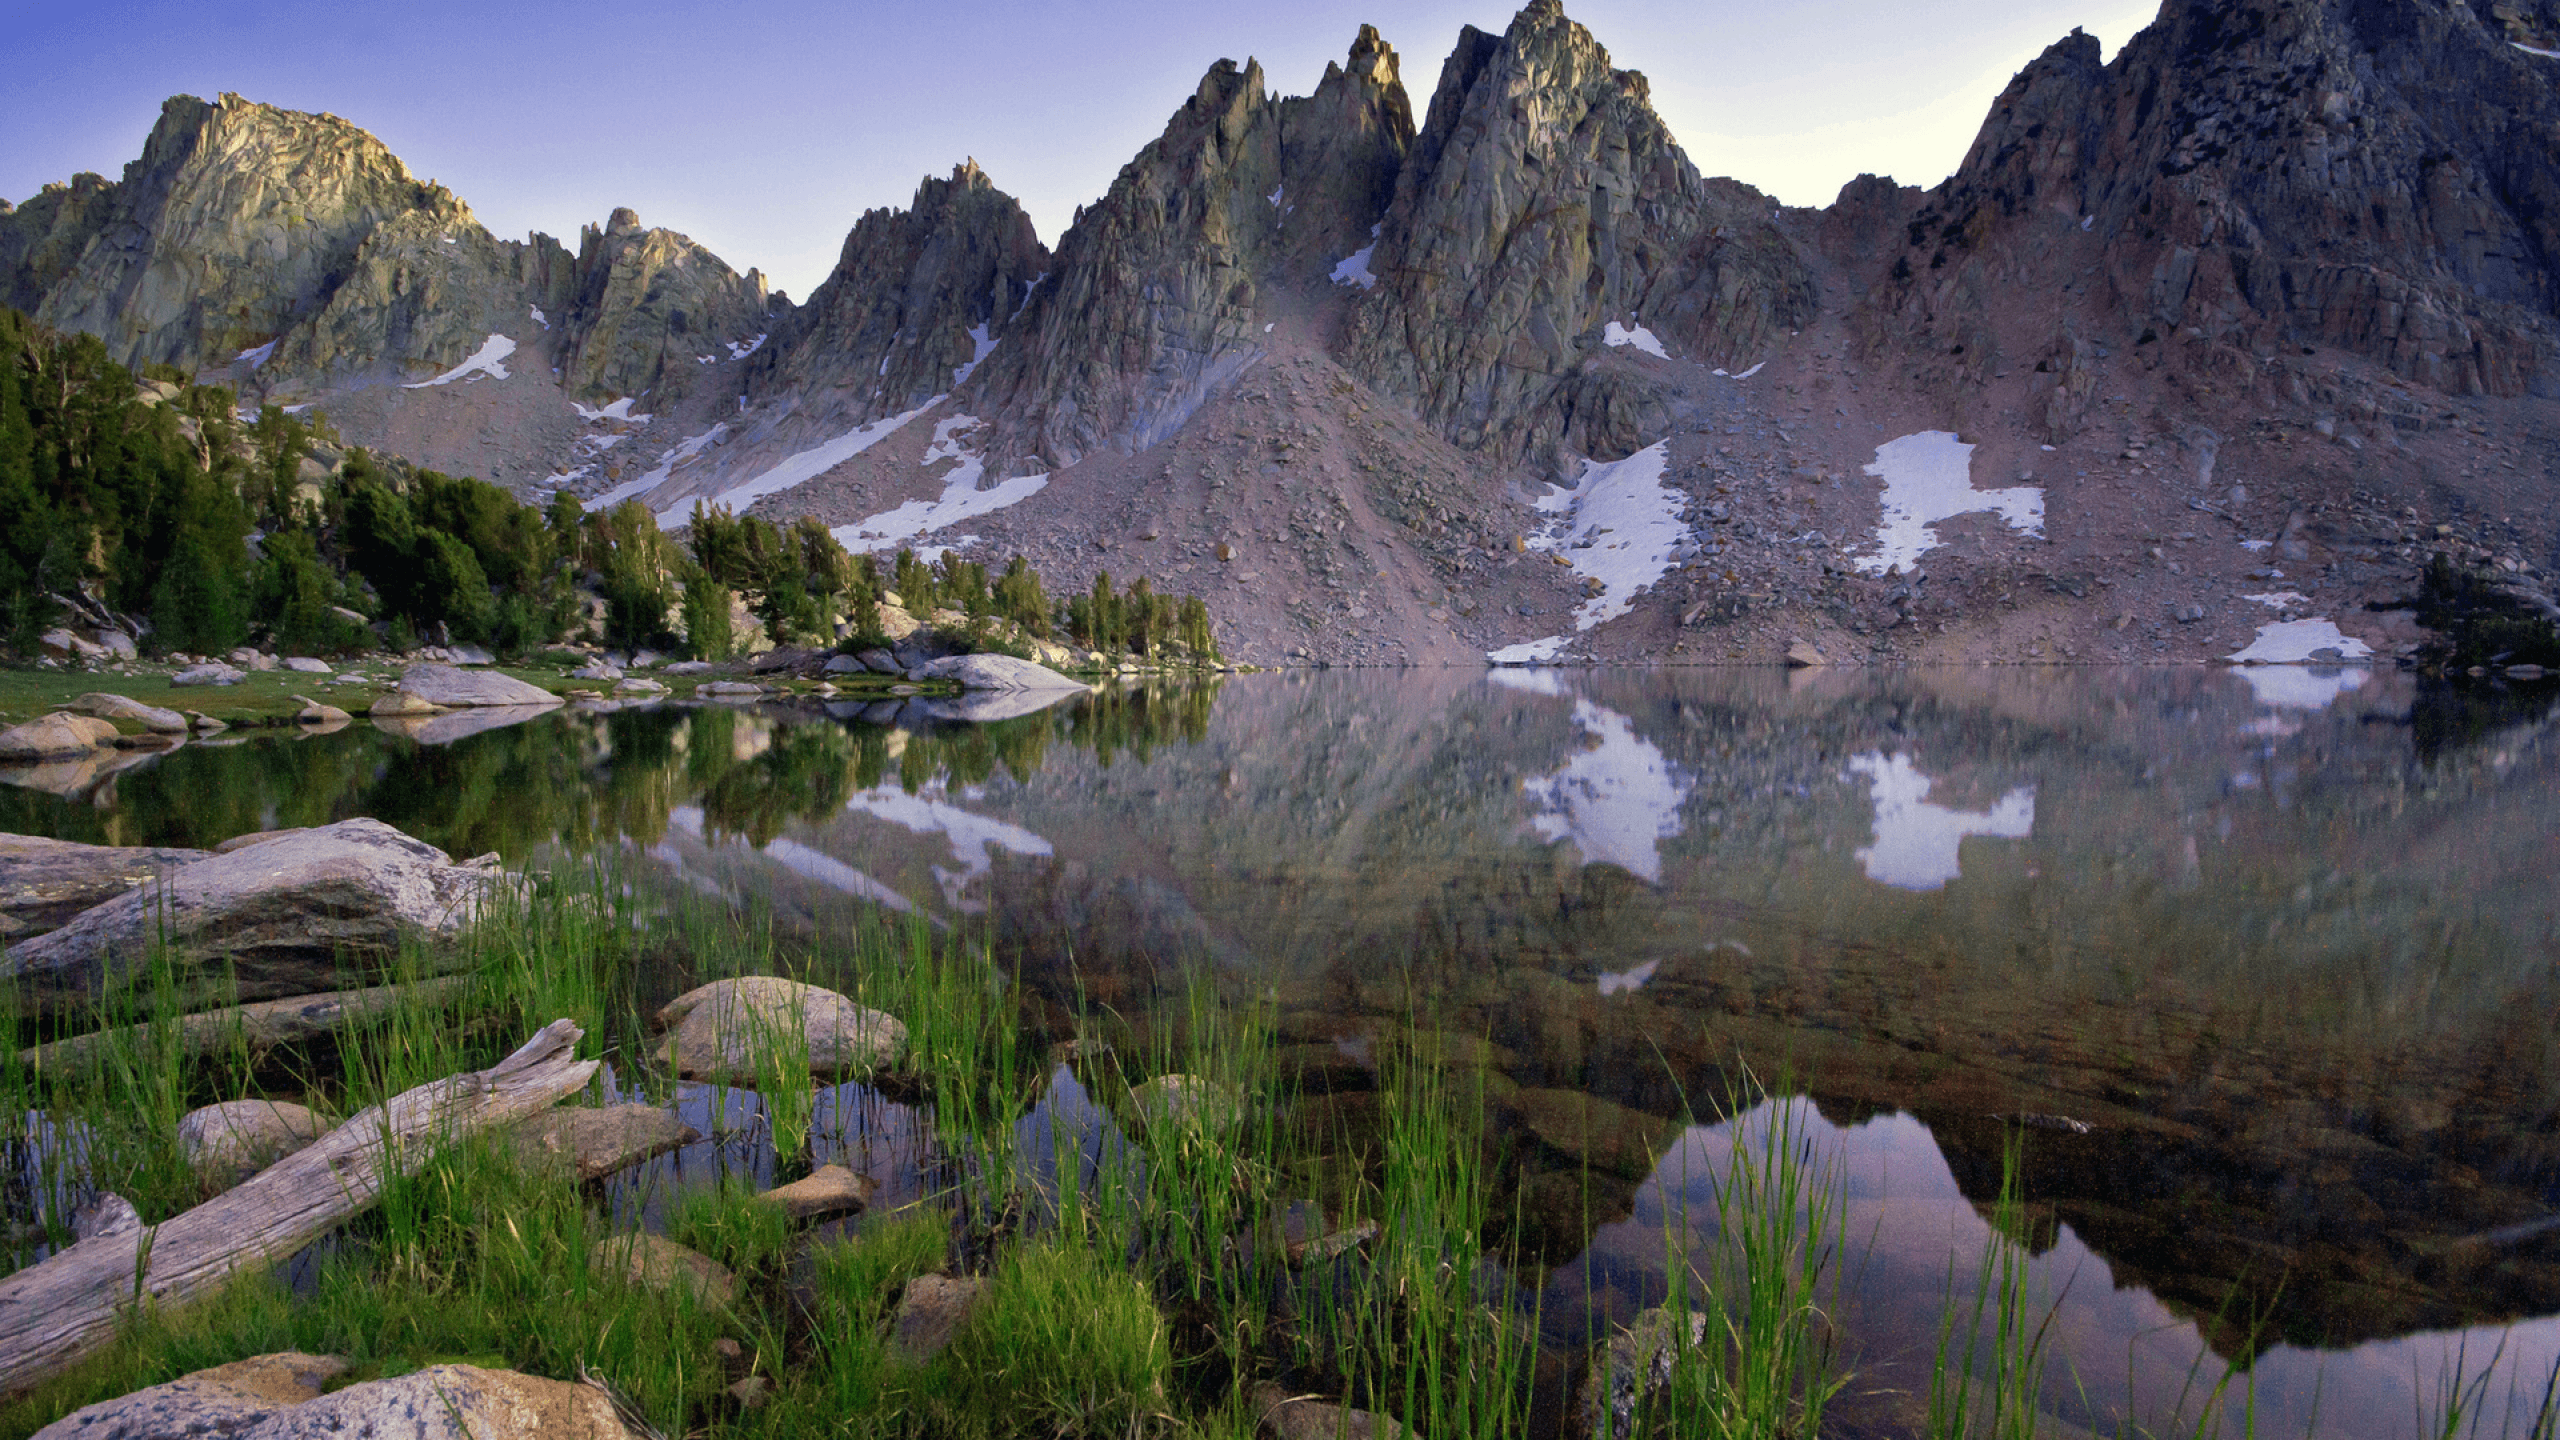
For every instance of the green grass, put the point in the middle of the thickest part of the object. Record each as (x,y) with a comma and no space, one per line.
(1136,1289)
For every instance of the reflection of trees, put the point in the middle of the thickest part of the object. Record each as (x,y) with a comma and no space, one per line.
(1138,718)
(805,774)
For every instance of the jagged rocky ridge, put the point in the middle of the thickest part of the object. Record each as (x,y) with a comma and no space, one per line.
(2261,223)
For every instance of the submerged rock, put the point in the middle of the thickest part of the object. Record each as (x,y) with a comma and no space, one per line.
(280,915)
(229,1142)
(593,1143)
(1187,1102)
(1635,1363)
(930,1313)
(718,1029)
(826,1192)
(44,883)
(55,737)
(654,1262)
(1278,1415)
(226,1400)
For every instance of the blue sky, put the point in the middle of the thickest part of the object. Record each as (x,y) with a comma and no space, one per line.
(763,128)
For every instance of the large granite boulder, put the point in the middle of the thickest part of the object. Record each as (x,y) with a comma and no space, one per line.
(717,1030)
(44,883)
(107,706)
(227,1400)
(452,686)
(281,915)
(229,1142)
(996,672)
(55,737)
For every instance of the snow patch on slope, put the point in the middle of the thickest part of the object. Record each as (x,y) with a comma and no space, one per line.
(961,498)
(1354,268)
(1928,477)
(798,469)
(2299,642)
(256,355)
(487,360)
(983,347)
(1615,334)
(656,475)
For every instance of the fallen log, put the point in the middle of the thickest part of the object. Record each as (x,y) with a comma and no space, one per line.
(58,1312)
(264,1026)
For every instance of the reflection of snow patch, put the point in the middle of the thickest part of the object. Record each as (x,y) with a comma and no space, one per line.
(1354,268)
(2299,642)
(256,355)
(1531,682)
(961,498)
(1917,842)
(483,361)
(1645,340)
(974,838)
(1614,800)
(1928,478)
(833,873)
(809,464)
(983,347)
(1622,982)
(2300,687)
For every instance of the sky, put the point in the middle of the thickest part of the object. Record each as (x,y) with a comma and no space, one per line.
(764,128)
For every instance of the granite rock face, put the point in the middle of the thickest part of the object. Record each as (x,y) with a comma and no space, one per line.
(271,244)
(1544,199)
(1155,299)
(44,882)
(914,300)
(2263,175)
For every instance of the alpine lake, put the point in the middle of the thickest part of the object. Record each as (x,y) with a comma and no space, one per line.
(2189,1032)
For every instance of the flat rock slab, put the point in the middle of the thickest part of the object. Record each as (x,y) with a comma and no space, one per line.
(282,914)
(1601,1133)
(823,1194)
(106,706)
(1278,1415)
(44,883)
(257,837)
(930,1313)
(208,674)
(654,1262)
(398,704)
(995,672)
(718,1030)
(229,1142)
(594,1143)
(226,1400)
(55,737)
(451,686)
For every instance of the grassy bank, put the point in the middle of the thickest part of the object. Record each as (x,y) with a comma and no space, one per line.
(1167,1208)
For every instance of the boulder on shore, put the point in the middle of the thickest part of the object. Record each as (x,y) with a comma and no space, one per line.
(106,706)
(718,1029)
(225,1400)
(44,883)
(994,672)
(211,672)
(450,686)
(280,915)
(55,737)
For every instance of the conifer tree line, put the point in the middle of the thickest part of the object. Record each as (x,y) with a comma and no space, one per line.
(163,502)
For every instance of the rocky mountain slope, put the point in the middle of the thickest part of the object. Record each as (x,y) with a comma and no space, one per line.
(2235,331)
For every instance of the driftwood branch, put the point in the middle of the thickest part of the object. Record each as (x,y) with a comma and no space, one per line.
(58,1312)
(262,1026)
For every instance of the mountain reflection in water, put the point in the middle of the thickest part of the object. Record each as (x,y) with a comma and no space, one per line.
(2283,941)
